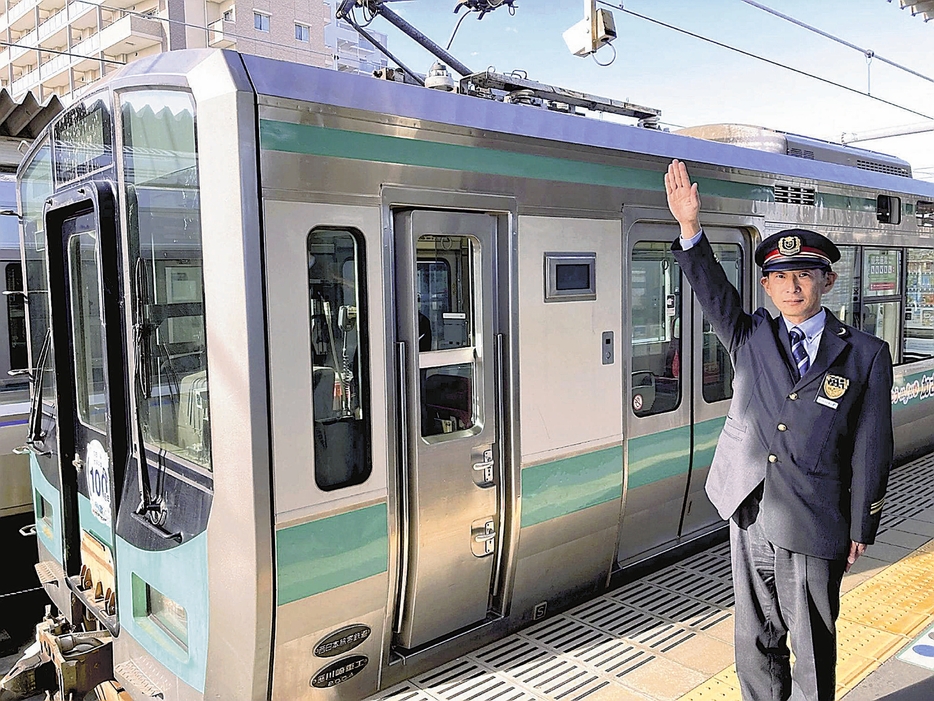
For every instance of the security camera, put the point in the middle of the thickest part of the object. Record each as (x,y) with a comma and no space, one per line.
(596,30)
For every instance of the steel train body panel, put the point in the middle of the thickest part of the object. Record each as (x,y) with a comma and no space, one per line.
(321,587)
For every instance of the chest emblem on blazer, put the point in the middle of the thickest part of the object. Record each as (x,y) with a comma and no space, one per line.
(789,245)
(835,386)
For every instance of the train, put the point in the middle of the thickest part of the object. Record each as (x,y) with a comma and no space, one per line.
(335,378)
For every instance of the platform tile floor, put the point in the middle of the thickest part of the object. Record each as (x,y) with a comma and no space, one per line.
(669,635)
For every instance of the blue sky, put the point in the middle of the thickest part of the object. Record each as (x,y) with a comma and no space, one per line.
(694,82)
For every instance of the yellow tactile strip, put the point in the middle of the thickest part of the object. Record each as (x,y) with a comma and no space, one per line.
(877,618)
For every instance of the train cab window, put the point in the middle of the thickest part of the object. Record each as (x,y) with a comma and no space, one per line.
(447,267)
(339,363)
(716,366)
(881,295)
(164,236)
(35,187)
(655,296)
(843,297)
(919,305)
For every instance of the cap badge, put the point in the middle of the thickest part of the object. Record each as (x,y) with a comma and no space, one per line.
(835,386)
(789,245)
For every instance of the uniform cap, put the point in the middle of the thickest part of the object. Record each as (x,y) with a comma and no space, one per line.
(796,249)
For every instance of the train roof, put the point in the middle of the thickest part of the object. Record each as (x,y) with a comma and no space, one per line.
(281,79)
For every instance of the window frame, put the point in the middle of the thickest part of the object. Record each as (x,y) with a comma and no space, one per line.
(365,401)
(897,297)
(259,19)
(684,375)
(905,305)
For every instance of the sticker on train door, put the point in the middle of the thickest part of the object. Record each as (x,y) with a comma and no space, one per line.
(97,470)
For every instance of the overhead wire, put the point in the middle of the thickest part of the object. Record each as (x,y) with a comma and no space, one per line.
(868,53)
(769,61)
(13,44)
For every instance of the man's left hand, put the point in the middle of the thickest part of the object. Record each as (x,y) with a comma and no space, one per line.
(856,549)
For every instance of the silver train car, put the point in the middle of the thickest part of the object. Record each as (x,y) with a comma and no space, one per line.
(20,600)
(337,378)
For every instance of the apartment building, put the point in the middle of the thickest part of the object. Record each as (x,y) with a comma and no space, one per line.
(350,51)
(61,47)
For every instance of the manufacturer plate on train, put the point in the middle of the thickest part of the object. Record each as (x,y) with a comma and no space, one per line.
(339,672)
(343,640)
(97,472)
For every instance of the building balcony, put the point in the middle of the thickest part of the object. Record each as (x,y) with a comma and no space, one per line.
(25,84)
(21,55)
(130,34)
(218,38)
(21,16)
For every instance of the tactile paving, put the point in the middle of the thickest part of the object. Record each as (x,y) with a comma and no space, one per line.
(607,647)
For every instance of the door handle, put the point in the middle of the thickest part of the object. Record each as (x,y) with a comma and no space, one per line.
(484,537)
(485,467)
(78,463)
(28,531)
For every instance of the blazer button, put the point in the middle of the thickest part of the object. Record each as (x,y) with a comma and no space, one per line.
(773,458)
(793,396)
(782,427)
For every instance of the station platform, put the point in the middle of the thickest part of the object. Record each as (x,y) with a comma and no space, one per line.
(669,635)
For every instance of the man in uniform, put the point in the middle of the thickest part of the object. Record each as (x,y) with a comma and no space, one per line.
(802,463)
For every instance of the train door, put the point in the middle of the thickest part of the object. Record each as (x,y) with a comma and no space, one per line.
(681,383)
(451,473)
(712,384)
(91,391)
(658,437)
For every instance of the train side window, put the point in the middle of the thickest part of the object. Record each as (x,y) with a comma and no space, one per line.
(844,296)
(340,387)
(655,296)
(919,309)
(889,209)
(16,317)
(881,295)
(925,213)
(717,367)
(164,235)
(446,303)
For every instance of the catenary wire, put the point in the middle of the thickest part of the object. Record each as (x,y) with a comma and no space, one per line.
(13,44)
(765,60)
(868,53)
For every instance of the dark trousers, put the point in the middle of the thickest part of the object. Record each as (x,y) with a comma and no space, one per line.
(778,593)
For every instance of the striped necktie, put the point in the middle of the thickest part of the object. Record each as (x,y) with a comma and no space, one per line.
(798,352)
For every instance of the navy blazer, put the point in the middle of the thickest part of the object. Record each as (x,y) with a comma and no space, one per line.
(822,445)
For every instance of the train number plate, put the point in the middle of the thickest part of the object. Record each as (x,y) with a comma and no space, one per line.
(97,471)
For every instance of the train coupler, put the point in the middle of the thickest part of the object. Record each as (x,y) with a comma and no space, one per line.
(67,663)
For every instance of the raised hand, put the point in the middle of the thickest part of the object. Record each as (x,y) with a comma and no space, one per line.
(683,200)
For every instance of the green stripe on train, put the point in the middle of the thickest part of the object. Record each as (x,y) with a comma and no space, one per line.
(562,487)
(328,553)
(339,143)
(48,525)
(666,454)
